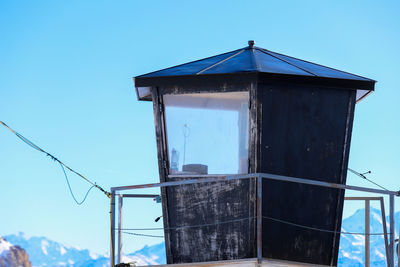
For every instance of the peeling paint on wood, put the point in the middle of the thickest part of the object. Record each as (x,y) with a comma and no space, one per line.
(208,203)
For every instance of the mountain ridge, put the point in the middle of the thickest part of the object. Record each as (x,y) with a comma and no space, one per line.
(44,252)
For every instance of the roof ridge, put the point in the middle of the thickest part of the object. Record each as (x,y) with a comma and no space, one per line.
(253,59)
(221,61)
(188,63)
(265,51)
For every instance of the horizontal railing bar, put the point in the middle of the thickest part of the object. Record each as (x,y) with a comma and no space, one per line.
(221,178)
(139,195)
(363,198)
(326,184)
(201,175)
(186,182)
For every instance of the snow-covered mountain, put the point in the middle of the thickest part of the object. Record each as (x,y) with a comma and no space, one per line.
(148,255)
(44,252)
(352,247)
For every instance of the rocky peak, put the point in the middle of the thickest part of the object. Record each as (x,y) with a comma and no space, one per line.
(11,255)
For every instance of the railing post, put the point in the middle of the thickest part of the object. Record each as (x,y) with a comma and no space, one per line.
(391,218)
(120,203)
(397,250)
(384,226)
(112,218)
(259,220)
(367,226)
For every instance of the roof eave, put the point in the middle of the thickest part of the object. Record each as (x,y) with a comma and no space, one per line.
(186,79)
(368,85)
(246,77)
(262,77)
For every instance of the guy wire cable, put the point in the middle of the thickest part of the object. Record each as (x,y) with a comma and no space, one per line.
(70,189)
(145,235)
(108,194)
(31,144)
(187,226)
(362,175)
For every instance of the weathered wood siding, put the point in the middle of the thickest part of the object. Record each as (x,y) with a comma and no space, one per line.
(206,204)
(305,133)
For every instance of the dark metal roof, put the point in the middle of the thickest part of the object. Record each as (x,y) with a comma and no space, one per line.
(252,59)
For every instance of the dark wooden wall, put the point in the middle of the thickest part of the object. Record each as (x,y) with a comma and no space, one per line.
(305,133)
(230,203)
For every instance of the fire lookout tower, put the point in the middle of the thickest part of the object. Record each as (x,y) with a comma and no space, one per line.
(244,112)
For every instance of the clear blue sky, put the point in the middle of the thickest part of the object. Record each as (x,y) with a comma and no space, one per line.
(66,71)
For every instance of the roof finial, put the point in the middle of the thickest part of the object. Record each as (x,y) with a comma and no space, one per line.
(251,43)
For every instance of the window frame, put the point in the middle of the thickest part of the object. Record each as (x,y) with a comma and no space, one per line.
(162,91)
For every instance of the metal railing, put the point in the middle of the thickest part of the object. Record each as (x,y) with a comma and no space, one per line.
(197,179)
(367,201)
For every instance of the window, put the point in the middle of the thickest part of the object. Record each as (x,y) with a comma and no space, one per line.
(207,133)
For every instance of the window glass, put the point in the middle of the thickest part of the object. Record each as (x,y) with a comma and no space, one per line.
(207,133)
